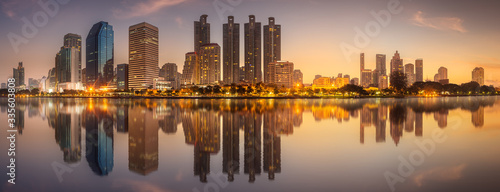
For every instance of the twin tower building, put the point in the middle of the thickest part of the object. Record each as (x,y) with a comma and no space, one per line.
(203,65)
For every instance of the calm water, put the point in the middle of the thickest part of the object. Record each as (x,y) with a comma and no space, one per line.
(425,144)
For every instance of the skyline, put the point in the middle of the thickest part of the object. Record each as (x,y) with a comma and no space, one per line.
(418,22)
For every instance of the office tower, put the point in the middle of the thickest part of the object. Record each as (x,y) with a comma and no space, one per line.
(375,76)
(201,33)
(272,46)
(383,82)
(231,51)
(18,75)
(410,73)
(361,62)
(100,55)
(396,63)
(348,77)
(242,73)
(84,77)
(355,81)
(209,64)
(281,73)
(437,78)
(143,55)
(169,71)
(298,77)
(253,58)
(122,76)
(366,78)
(443,73)
(190,71)
(68,66)
(478,75)
(419,70)
(381,64)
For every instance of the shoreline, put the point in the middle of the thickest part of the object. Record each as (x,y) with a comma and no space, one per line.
(247,97)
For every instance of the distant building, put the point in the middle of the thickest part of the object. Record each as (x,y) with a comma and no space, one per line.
(317,76)
(340,82)
(18,75)
(443,73)
(209,64)
(396,63)
(383,82)
(190,71)
(478,75)
(231,51)
(348,77)
(381,64)
(122,75)
(169,72)
(410,73)
(366,78)
(143,55)
(419,70)
(253,51)
(161,84)
(4,86)
(242,73)
(201,33)
(281,73)
(355,81)
(272,47)
(100,55)
(298,78)
(322,82)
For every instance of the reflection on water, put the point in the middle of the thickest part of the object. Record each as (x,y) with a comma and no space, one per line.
(255,126)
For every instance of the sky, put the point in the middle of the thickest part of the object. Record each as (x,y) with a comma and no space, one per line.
(321,37)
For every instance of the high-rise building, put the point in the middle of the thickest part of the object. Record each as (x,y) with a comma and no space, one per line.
(419,70)
(231,51)
(272,47)
(348,77)
(478,75)
(366,78)
(443,73)
(143,55)
(68,68)
(281,73)
(18,75)
(100,55)
(361,62)
(298,77)
(190,71)
(355,81)
(169,72)
(410,73)
(84,77)
(396,63)
(383,82)
(201,33)
(253,52)
(381,64)
(209,64)
(122,76)
(242,73)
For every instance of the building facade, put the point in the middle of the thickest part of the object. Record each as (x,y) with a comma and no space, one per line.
(478,75)
(419,70)
(281,73)
(122,77)
(143,55)
(272,47)
(231,51)
(209,64)
(253,51)
(100,55)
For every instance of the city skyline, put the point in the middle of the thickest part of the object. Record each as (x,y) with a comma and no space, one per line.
(311,52)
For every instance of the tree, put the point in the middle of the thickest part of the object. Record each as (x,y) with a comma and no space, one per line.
(399,82)
(35,91)
(451,88)
(470,88)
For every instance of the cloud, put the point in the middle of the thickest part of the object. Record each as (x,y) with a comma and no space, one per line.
(136,9)
(439,174)
(180,22)
(439,23)
(11,8)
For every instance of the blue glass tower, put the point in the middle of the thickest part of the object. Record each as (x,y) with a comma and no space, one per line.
(100,55)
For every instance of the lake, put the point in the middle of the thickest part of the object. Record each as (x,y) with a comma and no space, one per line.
(196,145)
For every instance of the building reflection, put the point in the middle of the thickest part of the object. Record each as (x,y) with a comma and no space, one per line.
(142,140)
(99,138)
(251,131)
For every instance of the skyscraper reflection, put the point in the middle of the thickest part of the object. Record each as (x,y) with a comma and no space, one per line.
(252,128)
(231,142)
(142,140)
(99,139)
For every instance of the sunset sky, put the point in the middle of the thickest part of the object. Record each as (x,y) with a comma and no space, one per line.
(457,34)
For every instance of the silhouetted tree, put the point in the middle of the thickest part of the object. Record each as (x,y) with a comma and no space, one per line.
(399,82)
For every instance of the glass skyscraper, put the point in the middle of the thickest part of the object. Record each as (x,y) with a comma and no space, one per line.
(100,55)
